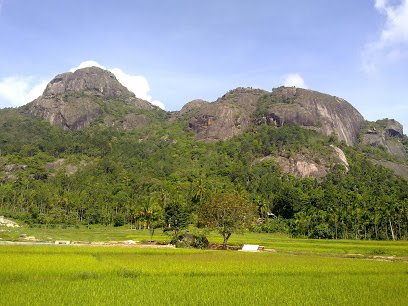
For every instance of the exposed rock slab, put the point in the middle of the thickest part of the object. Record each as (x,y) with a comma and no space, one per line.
(341,157)
(398,169)
(327,114)
(385,134)
(229,116)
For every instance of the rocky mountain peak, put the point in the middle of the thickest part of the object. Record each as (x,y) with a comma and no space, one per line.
(73,100)
(193,106)
(88,81)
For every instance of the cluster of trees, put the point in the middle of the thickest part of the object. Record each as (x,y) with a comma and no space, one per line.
(161,177)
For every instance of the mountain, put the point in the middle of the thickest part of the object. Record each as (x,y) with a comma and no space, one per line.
(93,96)
(88,151)
(232,113)
(74,100)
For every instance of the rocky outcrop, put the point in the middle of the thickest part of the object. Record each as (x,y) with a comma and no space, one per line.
(326,114)
(7,222)
(233,112)
(56,165)
(11,168)
(300,166)
(192,107)
(11,171)
(399,169)
(224,118)
(91,81)
(59,164)
(74,100)
(340,157)
(385,134)
(309,164)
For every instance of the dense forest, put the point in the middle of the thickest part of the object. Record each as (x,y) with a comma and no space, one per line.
(148,177)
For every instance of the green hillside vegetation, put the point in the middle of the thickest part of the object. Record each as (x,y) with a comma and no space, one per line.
(132,177)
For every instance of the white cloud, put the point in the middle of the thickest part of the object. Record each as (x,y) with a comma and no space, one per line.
(19,90)
(392,43)
(87,64)
(135,83)
(158,103)
(294,79)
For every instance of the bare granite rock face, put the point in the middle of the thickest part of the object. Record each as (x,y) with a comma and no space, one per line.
(74,100)
(299,165)
(399,169)
(88,81)
(321,112)
(233,112)
(308,164)
(385,134)
(226,117)
(341,157)
(193,106)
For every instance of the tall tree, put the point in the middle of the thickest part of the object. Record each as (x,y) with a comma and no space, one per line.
(227,213)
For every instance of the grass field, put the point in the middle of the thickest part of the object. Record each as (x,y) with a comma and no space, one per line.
(278,242)
(69,275)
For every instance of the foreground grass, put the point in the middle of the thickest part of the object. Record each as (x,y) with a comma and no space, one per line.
(45,275)
(277,242)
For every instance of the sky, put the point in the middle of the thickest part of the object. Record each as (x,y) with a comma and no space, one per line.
(171,52)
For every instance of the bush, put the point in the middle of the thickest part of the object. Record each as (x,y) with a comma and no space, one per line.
(118,220)
(191,241)
(276,225)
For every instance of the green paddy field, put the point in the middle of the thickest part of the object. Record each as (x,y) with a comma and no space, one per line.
(298,272)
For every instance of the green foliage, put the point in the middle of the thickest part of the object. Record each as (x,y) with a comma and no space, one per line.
(272,225)
(227,213)
(265,101)
(176,217)
(154,176)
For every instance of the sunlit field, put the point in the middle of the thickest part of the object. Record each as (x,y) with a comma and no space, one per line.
(277,242)
(58,275)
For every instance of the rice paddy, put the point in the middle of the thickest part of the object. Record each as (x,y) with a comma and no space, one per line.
(72,275)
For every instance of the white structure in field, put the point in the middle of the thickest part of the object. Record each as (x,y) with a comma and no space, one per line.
(250,248)
(62,242)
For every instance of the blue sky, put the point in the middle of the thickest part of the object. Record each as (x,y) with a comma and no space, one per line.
(176,51)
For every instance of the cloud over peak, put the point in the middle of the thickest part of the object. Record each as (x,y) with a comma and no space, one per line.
(137,84)
(294,79)
(19,90)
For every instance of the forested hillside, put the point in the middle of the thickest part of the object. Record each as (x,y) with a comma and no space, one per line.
(145,176)
(88,151)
